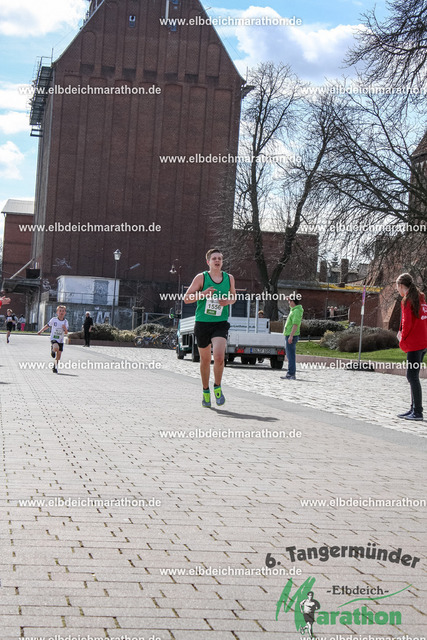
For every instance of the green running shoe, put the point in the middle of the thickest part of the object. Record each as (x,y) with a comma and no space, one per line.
(206,402)
(219,396)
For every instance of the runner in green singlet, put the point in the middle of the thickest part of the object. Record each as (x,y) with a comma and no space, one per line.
(214,291)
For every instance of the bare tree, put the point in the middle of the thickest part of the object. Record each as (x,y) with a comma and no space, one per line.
(379,188)
(286,139)
(269,113)
(394,52)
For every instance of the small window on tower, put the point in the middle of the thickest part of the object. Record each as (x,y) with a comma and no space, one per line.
(132,21)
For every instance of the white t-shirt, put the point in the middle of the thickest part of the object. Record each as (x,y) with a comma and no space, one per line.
(57,329)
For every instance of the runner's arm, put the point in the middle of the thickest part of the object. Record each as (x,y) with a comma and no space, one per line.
(194,291)
(231,298)
(44,329)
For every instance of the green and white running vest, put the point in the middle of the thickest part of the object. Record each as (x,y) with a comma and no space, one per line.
(208,309)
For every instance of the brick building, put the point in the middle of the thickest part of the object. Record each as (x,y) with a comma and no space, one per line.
(127,92)
(101,143)
(17,252)
(302,265)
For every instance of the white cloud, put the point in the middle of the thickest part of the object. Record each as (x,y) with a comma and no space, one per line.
(31,18)
(314,51)
(10,159)
(15,96)
(14,122)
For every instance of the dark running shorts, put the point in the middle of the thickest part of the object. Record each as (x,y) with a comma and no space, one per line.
(9,326)
(60,344)
(308,617)
(205,331)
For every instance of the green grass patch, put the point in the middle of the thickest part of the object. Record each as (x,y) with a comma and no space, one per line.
(305,348)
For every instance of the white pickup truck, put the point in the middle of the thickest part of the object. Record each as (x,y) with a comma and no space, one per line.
(248,339)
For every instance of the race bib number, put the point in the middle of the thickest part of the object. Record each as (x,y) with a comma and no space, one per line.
(213,308)
(58,332)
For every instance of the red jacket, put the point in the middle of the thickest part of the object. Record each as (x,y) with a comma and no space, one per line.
(414,330)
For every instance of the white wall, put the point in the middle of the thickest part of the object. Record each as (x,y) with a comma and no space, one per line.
(87,290)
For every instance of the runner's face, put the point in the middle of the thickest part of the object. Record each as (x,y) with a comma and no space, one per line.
(215,261)
(61,313)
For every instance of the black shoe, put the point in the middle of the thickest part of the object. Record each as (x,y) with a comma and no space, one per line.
(55,370)
(403,415)
(53,354)
(414,416)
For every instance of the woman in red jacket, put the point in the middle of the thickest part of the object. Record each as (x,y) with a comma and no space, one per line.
(412,338)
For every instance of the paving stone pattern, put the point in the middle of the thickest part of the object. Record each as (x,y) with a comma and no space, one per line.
(225,503)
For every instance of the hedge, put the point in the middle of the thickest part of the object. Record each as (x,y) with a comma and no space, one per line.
(373,339)
(317,328)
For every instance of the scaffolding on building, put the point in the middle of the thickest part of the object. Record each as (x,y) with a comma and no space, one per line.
(41,85)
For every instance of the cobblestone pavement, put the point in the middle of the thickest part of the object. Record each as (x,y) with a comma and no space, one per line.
(373,397)
(90,559)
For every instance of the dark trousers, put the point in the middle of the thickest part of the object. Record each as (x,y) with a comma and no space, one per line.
(87,338)
(291,351)
(414,360)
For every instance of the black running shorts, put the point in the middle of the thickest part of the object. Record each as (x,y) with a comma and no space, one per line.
(309,617)
(60,344)
(205,331)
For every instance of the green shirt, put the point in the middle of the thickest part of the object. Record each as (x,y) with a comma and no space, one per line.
(294,317)
(208,309)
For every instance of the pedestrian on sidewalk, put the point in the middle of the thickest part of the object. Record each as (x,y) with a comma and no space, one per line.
(87,328)
(59,329)
(412,338)
(214,291)
(292,333)
(22,322)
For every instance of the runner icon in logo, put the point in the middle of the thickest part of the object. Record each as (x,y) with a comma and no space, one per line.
(308,608)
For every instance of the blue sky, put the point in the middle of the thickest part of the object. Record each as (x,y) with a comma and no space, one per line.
(30,29)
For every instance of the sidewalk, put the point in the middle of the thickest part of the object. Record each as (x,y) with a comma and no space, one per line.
(372,397)
(76,568)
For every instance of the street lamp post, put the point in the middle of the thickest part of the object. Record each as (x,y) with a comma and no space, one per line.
(173,270)
(117,255)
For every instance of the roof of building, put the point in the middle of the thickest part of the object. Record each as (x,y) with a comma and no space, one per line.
(19,207)
(421,150)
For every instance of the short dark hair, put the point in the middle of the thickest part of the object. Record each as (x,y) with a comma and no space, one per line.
(211,251)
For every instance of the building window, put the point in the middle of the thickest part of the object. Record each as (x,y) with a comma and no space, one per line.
(132,21)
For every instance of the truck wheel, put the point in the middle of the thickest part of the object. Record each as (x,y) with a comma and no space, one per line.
(231,358)
(195,356)
(276,363)
(179,353)
(245,360)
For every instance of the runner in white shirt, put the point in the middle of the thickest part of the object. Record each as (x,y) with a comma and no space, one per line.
(58,330)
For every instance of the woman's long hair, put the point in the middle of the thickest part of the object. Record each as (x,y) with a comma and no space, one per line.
(413,294)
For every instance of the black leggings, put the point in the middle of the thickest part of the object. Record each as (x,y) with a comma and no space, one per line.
(414,360)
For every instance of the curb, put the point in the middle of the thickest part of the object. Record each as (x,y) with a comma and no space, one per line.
(392,368)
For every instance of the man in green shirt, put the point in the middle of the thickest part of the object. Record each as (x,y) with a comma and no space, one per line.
(214,291)
(292,332)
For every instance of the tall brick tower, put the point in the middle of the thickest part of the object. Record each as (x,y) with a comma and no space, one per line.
(101,141)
